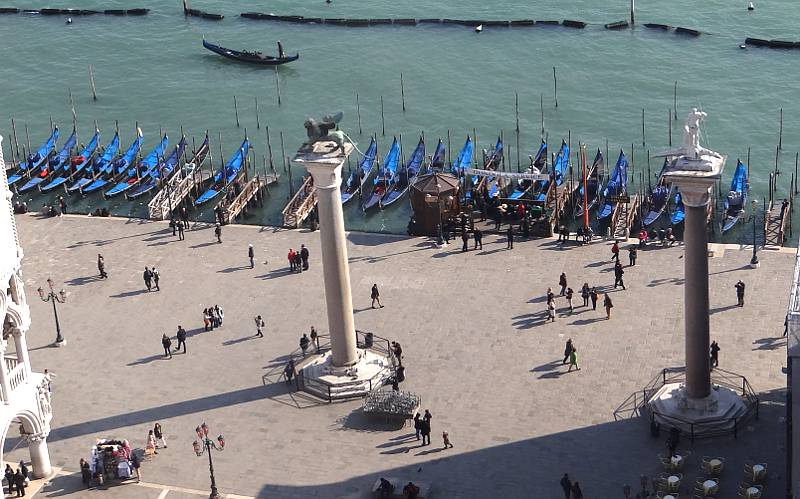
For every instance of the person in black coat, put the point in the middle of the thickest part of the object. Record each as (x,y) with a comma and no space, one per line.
(167,344)
(181,339)
(426,431)
(510,237)
(19,481)
(566,485)
(417,425)
(577,493)
(618,273)
(567,350)
(304,256)
(251,255)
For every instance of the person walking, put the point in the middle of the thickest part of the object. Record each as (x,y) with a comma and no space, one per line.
(148,277)
(446,440)
(181,339)
(10,477)
(550,295)
(290,257)
(714,351)
(573,360)
(314,338)
(632,256)
(618,273)
(181,237)
(151,442)
(585,294)
(167,344)
(594,296)
(569,298)
(551,310)
(562,281)
(298,262)
(510,237)
(376,296)
(417,425)
(740,292)
(304,256)
(567,350)
(304,342)
(159,434)
(288,371)
(251,256)
(477,234)
(608,305)
(19,482)
(259,326)
(426,429)
(137,465)
(566,485)
(577,493)
(615,252)
(219,314)
(464,241)
(206,319)
(218,232)
(156,277)
(101,266)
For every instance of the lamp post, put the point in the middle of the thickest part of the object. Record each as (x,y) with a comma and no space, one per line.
(55,297)
(754,261)
(204,446)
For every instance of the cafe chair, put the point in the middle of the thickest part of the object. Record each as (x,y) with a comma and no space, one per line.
(755,472)
(713,465)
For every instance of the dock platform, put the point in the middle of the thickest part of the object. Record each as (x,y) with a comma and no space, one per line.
(301,204)
(252,192)
(623,216)
(776,219)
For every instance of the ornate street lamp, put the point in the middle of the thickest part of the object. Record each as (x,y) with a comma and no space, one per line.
(54,297)
(754,260)
(205,445)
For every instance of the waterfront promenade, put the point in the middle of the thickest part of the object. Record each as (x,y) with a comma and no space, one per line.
(475,343)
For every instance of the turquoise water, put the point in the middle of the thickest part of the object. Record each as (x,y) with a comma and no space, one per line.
(154,71)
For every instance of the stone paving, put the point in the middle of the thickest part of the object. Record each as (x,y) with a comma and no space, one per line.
(474,339)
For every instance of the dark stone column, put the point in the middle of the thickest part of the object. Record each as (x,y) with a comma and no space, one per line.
(696,307)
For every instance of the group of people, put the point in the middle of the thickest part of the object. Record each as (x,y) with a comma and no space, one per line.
(571,489)
(386,489)
(306,341)
(213,317)
(665,237)
(422,427)
(571,354)
(166,342)
(587,294)
(151,278)
(17,480)
(298,260)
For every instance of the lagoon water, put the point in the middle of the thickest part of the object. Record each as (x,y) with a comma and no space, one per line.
(154,71)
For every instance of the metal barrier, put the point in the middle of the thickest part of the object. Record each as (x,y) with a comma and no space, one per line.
(637,403)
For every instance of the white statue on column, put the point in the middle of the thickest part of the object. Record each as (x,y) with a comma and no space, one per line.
(691,136)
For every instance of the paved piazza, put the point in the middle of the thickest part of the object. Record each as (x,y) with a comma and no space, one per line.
(475,345)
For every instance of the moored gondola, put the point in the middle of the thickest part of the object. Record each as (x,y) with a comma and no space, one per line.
(358,177)
(737,197)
